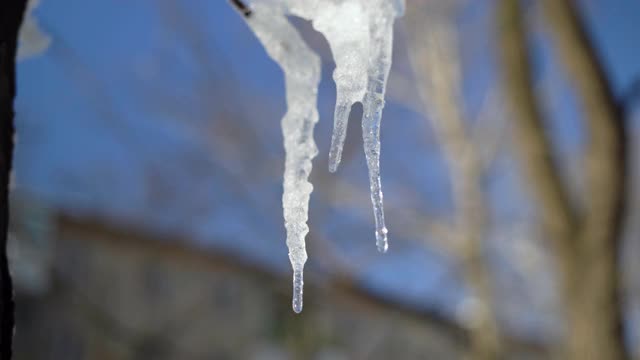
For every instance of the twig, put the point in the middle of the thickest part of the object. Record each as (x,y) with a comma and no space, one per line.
(242,7)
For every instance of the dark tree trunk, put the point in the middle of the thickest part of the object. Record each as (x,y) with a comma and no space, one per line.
(11,12)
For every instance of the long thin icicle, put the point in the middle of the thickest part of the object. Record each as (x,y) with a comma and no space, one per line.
(360,34)
(302,74)
(373,103)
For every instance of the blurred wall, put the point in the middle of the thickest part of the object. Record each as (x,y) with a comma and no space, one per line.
(113,294)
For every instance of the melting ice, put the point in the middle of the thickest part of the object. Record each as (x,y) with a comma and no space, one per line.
(360,34)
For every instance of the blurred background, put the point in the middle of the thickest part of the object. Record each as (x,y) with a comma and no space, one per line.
(146,201)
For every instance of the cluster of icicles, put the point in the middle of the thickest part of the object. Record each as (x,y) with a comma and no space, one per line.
(360,34)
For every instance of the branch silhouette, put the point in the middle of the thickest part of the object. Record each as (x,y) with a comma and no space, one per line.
(242,7)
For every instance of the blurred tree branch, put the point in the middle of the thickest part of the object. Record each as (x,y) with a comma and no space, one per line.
(598,291)
(11,13)
(489,132)
(436,61)
(586,241)
(529,134)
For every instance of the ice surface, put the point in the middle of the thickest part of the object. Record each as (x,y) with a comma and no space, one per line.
(360,34)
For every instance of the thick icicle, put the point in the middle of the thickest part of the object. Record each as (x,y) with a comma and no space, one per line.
(360,34)
(301,68)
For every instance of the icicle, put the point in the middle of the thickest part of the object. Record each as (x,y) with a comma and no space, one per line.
(373,103)
(301,68)
(346,27)
(360,34)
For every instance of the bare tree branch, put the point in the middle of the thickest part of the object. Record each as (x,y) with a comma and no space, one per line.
(597,324)
(241,7)
(533,146)
(586,244)
(488,134)
(437,66)
(529,135)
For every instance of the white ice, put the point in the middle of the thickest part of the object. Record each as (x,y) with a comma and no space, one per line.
(360,34)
